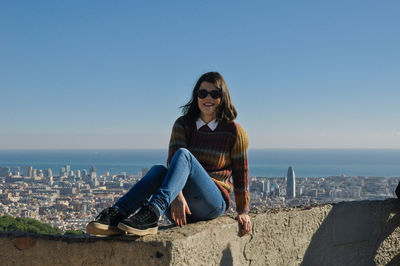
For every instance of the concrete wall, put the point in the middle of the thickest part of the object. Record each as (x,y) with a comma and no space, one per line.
(352,233)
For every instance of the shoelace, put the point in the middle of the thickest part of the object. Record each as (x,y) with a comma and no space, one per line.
(109,211)
(144,213)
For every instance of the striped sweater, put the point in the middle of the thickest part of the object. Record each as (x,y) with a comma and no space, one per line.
(222,153)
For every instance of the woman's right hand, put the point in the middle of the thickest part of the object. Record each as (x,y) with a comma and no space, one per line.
(179,209)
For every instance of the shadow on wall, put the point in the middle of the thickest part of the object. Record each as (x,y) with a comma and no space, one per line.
(227,259)
(357,233)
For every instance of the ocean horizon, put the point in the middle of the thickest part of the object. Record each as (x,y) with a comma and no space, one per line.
(262,162)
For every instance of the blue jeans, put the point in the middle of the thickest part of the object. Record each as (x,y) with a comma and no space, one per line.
(162,185)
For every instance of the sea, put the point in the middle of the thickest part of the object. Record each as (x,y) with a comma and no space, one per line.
(262,162)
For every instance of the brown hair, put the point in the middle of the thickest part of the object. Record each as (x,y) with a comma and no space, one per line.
(225,110)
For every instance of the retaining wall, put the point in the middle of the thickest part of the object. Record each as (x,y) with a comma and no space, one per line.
(349,233)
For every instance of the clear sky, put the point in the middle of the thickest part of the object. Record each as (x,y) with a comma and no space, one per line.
(112,74)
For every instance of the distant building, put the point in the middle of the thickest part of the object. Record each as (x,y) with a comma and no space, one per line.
(144,171)
(28,171)
(67,191)
(4,171)
(93,168)
(262,186)
(48,173)
(16,171)
(291,184)
(84,172)
(63,171)
(68,169)
(95,182)
(39,173)
(93,173)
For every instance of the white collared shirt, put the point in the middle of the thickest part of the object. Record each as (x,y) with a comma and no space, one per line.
(212,124)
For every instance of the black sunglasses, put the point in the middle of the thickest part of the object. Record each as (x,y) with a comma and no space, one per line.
(215,94)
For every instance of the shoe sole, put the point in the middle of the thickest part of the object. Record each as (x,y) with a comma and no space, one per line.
(139,232)
(99,229)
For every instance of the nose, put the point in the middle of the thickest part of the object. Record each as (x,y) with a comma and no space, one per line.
(208,95)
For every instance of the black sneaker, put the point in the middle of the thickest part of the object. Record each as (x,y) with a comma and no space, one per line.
(144,222)
(106,223)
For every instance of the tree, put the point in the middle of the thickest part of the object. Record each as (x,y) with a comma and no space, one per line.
(9,223)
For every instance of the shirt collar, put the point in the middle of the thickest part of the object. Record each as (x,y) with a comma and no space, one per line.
(212,124)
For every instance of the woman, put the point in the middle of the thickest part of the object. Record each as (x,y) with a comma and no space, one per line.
(206,148)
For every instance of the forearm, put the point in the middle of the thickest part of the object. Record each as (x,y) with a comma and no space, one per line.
(242,200)
(240,172)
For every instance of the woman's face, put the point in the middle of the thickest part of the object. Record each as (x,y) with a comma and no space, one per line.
(208,105)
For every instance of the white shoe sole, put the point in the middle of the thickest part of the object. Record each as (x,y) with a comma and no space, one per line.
(134,231)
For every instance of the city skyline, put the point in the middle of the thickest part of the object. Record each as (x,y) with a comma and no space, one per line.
(79,75)
(68,202)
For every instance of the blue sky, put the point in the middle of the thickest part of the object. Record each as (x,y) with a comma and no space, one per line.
(112,74)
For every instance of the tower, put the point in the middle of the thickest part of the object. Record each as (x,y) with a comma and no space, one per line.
(28,171)
(63,171)
(4,171)
(48,172)
(68,169)
(16,171)
(291,184)
(268,187)
(93,172)
(34,173)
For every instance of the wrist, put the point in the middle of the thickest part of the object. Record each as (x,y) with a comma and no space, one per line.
(180,198)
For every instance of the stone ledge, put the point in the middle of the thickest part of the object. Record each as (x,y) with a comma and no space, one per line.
(348,233)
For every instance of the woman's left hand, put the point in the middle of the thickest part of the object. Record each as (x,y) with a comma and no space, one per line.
(245,222)
(179,209)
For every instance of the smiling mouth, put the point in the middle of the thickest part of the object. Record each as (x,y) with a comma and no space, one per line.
(208,104)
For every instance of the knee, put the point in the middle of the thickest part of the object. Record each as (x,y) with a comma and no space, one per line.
(181,154)
(182,151)
(159,168)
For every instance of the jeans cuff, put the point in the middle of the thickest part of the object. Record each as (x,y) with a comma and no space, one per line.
(121,210)
(158,208)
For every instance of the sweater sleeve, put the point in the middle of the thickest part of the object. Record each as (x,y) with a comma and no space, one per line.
(240,171)
(178,139)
